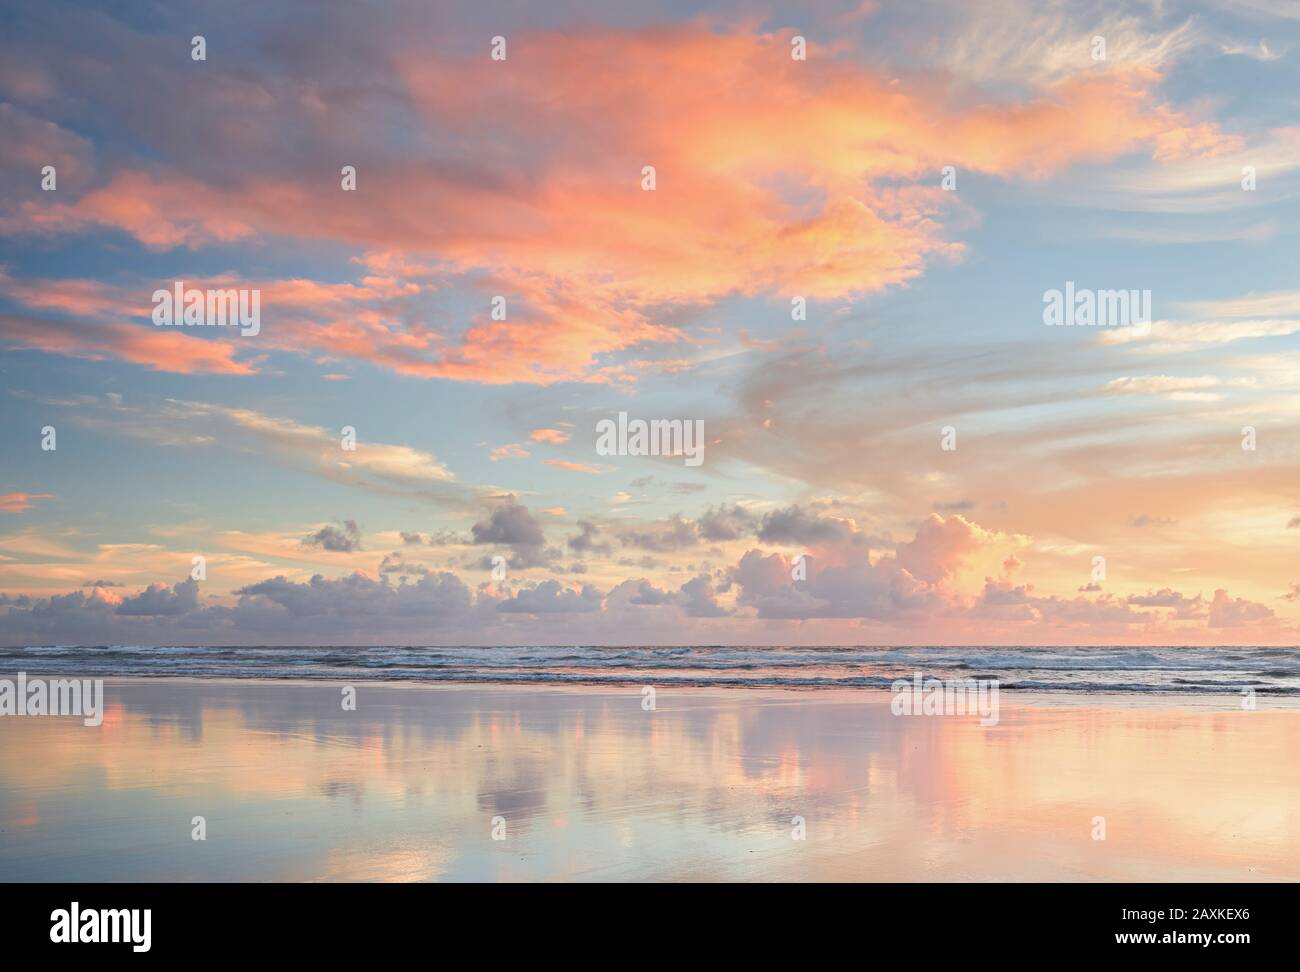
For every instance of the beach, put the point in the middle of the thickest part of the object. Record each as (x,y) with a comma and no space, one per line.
(472,782)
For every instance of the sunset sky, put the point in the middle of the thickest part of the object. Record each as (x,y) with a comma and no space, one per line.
(775,178)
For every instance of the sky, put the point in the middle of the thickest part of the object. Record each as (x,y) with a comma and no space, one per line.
(838,263)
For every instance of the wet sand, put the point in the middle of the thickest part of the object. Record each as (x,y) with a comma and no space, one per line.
(585,784)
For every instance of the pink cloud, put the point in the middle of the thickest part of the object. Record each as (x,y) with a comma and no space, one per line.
(20,502)
(774,177)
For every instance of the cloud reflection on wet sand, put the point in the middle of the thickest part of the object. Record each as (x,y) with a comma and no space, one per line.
(593,787)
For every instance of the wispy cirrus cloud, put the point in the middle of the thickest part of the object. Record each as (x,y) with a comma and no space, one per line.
(21,502)
(309,448)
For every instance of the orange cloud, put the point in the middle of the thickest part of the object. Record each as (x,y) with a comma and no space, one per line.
(19,502)
(773,177)
(510,451)
(161,211)
(165,349)
(940,545)
(1090,118)
(581,467)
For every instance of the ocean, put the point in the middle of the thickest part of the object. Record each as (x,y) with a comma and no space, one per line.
(1175,670)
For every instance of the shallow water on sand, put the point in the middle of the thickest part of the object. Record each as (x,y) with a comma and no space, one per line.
(588,785)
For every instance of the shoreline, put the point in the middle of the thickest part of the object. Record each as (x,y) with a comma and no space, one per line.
(1200,701)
